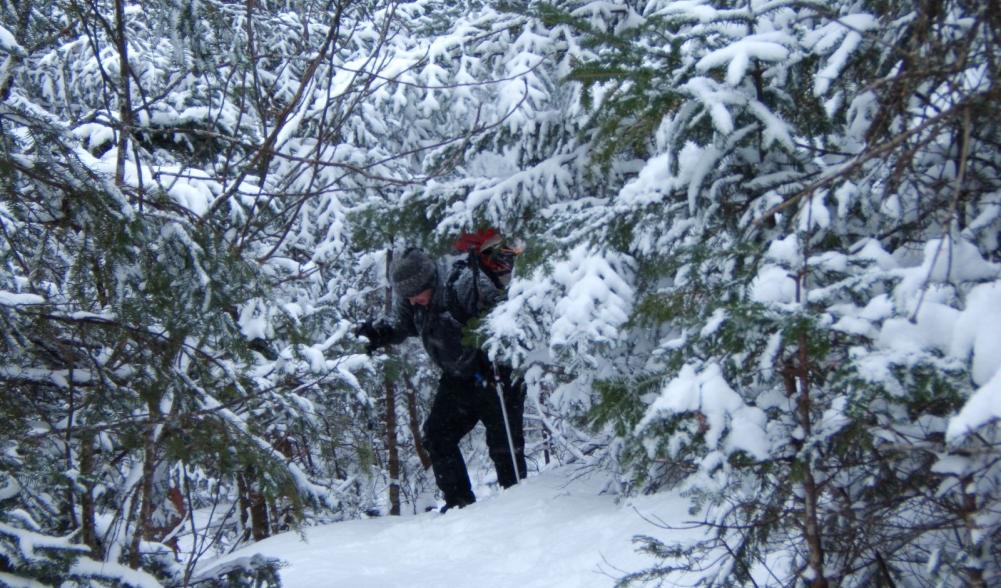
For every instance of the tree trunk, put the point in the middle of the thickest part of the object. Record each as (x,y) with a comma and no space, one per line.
(811,492)
(68,442)
(142,529)
(393,450)
(391,446)
(415,428)
(253,508)
(124,92)
(88,520)
(974,573)
(547,443)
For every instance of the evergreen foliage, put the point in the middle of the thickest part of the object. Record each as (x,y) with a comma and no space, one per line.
(762,269)
(173,244)
(804,184)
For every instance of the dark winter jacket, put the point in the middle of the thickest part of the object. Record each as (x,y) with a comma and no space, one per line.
(461,292)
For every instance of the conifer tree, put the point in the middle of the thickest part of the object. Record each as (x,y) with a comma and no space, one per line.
(176,181)
(802,220)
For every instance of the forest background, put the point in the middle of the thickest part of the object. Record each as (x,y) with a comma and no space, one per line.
(761,268)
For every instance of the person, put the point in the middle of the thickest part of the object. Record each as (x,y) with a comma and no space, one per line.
(435,301)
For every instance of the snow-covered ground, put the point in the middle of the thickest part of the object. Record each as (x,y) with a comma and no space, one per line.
(554,530)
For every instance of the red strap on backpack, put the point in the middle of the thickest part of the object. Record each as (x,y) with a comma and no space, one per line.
(492,253)
(474,241)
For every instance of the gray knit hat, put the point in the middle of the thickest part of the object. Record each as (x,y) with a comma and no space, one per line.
(412,273)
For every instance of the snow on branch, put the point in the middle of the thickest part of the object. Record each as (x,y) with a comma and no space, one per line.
(846,29)
(581,304)
(15,299)
(770,47)
(731,424)
(87,567)
(30,541)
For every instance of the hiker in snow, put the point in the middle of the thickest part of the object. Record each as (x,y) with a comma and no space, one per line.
(434,301)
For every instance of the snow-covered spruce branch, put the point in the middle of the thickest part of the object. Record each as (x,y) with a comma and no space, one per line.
(269,143)
(396,80)
(844,170)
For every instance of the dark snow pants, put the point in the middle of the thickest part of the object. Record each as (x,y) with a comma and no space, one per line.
(458,405)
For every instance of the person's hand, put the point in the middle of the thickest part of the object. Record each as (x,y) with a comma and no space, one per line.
(368,331)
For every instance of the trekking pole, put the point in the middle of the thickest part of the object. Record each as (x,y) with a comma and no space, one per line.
(507,424)
(475,266)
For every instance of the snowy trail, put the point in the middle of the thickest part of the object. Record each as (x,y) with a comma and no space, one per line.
(551,531)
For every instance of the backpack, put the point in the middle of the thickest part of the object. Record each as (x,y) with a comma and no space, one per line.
(485,253)
(490,253)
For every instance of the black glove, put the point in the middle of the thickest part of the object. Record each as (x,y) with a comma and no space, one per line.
(367,330)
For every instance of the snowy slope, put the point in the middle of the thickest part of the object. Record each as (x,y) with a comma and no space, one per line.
(554,530)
